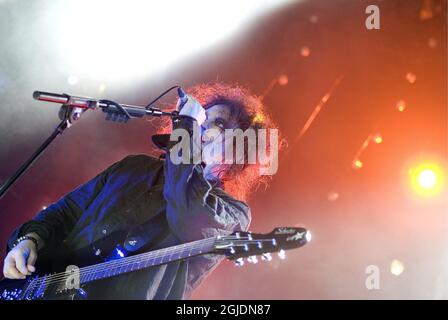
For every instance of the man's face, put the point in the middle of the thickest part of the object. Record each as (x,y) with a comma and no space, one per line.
(219,118)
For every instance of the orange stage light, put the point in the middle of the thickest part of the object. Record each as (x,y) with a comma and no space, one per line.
(427,179)
(357,164)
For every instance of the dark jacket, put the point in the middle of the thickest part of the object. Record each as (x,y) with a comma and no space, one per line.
(176,199)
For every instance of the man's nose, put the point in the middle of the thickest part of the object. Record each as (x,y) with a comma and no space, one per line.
(203,133)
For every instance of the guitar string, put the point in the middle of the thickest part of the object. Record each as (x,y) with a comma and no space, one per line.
(161,252)
(116,264)
(119,263)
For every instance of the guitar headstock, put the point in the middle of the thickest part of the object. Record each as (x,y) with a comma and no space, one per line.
(246,244)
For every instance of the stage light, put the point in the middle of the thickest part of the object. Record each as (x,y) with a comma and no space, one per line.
(411,77)
(314,19)
(401,105)
(426,11)
(396,267)
(120,40)
(377,138)
(305,51)
(332,196)
(357,164)
(427,179)
(432,43)
(283,80)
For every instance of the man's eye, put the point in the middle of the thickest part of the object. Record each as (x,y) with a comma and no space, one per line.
(220,124)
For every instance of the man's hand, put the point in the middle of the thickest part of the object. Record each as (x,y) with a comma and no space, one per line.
(193,109)
(20,261)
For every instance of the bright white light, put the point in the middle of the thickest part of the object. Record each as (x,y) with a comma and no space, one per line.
(308,236)
(427,178)
(72,80)
(111,39)
(396,267)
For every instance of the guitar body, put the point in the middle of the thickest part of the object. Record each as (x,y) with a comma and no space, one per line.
(56,260)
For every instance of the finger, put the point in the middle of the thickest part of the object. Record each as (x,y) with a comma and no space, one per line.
(10,271)
(21,263)
(31,261)
(6,266)
(178,104)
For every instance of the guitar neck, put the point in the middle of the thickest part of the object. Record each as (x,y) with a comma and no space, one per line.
(235,246)
(145,260)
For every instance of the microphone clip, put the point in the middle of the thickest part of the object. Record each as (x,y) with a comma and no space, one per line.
(70,114)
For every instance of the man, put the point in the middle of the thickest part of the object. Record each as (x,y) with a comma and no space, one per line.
(156,202)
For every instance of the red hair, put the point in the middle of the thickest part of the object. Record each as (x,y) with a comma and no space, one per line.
(240,179)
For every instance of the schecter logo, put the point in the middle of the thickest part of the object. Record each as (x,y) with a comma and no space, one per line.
(285,231)
(297,236)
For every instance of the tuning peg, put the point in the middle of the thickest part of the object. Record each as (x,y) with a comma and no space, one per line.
(259,245)
(308,236)
(266,257)
(282,254)
(239,262)
(246,247)
(232,250)
(252,259)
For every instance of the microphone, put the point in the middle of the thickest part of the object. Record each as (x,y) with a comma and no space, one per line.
(80,102)
(197,112)
(182,96)
(110,107)
(162,141)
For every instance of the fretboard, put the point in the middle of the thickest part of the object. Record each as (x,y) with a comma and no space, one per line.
(145,260)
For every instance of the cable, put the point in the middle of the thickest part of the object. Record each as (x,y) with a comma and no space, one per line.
(164,93)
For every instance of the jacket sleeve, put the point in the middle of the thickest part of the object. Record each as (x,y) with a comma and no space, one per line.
(55,222)
(196,209)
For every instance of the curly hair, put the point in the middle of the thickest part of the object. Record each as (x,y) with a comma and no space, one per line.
(239,180)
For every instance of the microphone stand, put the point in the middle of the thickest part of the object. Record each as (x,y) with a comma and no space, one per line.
(59,130)
(70,112)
